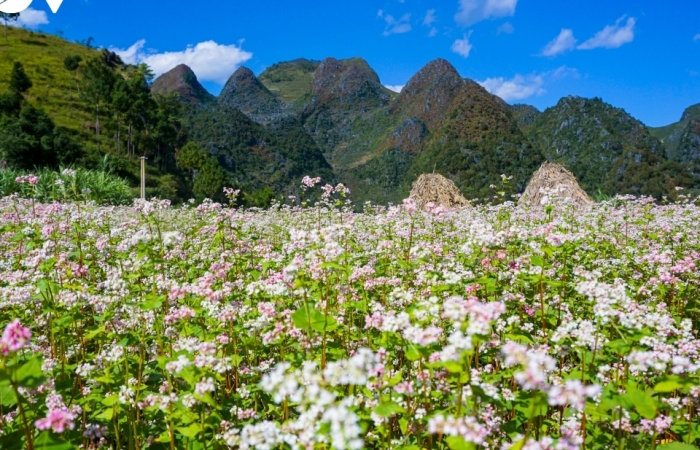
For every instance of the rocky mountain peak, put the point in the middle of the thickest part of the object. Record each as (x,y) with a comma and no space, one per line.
(692,112)
(181,79)
(428,94)
(244,91)
(350,82)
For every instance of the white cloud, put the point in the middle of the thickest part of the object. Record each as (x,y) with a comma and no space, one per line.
(562,43)
(394,87)
(505,28)
(209,60)
(462,46)
(380,13)
(696,37)
(133,54)
(430,18)
(517,88)
(523,86)
(612,36)
(30,18)
(433,32)
(563,72)
(472,11)
(399,26)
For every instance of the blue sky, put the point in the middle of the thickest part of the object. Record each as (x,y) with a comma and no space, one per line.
(643,55)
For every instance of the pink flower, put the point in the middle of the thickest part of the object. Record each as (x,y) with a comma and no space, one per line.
(30,179)
(57,420)
(14,337)
(308,182)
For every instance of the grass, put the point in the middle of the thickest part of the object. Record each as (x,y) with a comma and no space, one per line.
(290,81)
(70,184)
(54,88)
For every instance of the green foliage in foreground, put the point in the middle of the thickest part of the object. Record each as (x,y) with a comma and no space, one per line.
(99,186)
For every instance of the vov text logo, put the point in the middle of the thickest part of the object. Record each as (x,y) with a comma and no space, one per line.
(17,6)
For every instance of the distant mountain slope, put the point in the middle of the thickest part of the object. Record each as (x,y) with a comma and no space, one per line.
(682,139)
(244,92)
(182,80)
(524,115)
(290,81)
(256,156)
(606,148)
(441,122)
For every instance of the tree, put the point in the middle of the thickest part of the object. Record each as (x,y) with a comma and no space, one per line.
(8,17)
(99,81)
(168,131)
(146,72)
(210,180)
(32,140)
(191,157)
(19,81)
(71,63)
(121,103)
(139,113)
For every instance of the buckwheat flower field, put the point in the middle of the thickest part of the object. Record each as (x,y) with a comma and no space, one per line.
(211,327)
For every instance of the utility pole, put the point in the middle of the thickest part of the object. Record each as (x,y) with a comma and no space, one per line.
(143,177)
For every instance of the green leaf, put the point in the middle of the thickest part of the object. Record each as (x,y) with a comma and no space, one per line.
(396,379)
(458,443)
(190,432)
(92,333)
(412,353)
(111,400)
(668,385)
(387,409)
(48,441)
(317,319)
(107,414)
(29,374)
(453,366)
(676,446)
(7,396)
(403,425)
(642,401)
(672,382)
(164,437)
(537,261)
(151,303)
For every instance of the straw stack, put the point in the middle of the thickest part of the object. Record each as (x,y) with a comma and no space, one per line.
(553,183)
(436,189)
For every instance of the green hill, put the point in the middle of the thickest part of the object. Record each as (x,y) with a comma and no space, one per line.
(682,140)
(290,81)
(607,149)
(55,88)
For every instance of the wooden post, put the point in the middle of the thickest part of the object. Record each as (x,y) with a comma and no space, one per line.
(143,177)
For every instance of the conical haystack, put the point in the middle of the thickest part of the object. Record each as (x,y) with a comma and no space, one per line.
(552,182)
(436,189)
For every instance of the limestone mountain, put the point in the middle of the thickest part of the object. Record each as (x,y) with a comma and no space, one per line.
(429,93)
(524,115)
(444,123)
(682,139)
(606,149)
(290,81)
(670,135)
(255,156)
(246,93)
(182,80)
